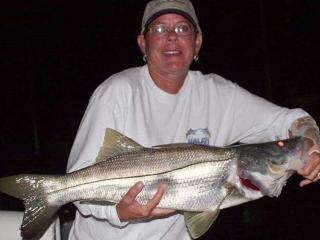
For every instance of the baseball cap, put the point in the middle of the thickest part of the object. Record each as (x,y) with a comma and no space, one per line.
(155,8)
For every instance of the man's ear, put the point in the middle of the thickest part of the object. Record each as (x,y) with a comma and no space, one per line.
(198,43)
(141,43)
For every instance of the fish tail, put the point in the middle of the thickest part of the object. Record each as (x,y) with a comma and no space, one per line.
(38,214)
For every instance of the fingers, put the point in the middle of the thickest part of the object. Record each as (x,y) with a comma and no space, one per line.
(157,197)
(305,182)
(129,209)
(161,212)
(133,192)
(311,170)
(153,203)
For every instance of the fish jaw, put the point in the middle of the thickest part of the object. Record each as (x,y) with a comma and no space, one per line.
(268,185)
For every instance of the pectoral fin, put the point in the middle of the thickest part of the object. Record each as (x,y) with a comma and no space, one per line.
(198,223)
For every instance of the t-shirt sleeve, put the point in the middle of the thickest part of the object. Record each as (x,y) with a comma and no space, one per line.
(256,119)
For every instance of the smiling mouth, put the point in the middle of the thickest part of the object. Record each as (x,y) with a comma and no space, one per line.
(248,184)
(171,53)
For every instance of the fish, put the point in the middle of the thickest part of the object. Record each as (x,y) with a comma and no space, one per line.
(201,180)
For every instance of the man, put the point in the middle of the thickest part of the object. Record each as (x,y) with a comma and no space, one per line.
(164,102)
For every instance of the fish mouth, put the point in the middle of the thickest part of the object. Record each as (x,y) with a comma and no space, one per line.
(248,184)
(268,186)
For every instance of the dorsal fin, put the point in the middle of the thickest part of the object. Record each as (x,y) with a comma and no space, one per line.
(116,143)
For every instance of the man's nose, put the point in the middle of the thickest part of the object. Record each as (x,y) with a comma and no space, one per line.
(172,35)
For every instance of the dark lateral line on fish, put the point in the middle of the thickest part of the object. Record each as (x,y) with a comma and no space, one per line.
(135,176)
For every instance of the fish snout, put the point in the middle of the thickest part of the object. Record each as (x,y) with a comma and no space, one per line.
(300,154)
(307,144)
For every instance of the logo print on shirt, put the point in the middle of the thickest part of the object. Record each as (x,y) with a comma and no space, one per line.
(198,136)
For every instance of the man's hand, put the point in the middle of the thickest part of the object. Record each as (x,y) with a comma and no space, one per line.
(311,171)
(307,127)
(129,209)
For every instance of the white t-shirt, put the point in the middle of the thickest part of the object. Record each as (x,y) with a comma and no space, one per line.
(208,109)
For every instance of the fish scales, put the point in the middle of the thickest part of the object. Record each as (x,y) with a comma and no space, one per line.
(200,179)
(190,188)
(145,162)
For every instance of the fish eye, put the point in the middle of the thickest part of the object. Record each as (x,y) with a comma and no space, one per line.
(280,144)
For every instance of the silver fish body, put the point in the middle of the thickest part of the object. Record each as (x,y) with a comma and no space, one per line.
(200,179)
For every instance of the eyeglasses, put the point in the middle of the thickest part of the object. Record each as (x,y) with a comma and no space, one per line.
(161,30)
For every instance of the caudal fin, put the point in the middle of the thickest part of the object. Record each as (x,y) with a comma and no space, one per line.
(38,213)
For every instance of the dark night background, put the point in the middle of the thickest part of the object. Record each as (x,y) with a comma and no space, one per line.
(55,53)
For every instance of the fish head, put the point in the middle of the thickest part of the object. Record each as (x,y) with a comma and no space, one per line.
(265,167)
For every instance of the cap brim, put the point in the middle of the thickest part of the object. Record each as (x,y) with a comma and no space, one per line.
(157,14)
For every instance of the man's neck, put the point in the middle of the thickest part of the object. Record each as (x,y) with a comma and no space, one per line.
(170,83)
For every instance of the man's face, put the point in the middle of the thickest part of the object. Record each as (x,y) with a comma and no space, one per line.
(170,53)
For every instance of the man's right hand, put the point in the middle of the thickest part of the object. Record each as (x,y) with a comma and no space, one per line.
(129,209)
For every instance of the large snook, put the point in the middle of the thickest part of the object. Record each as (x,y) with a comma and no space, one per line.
(200,179)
